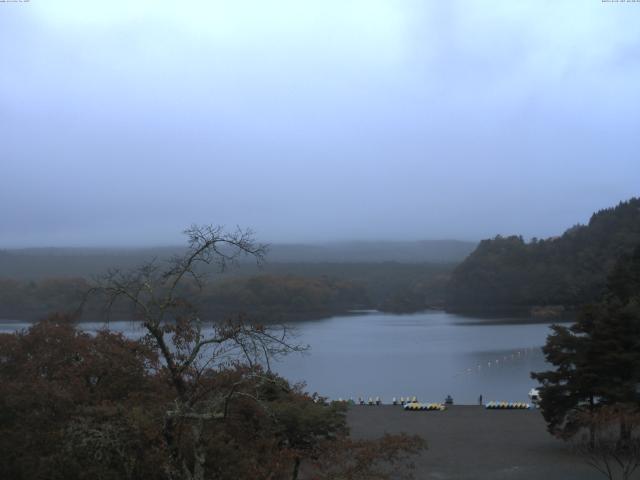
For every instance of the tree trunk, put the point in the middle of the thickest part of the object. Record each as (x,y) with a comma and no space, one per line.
(296,468)
(625,433)
(175,460)
(592,426)
(199,451)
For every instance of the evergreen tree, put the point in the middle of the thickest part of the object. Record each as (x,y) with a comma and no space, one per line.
(569,270)
(597,359)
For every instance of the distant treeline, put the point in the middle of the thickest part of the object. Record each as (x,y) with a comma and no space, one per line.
(296,282)
(283,292)
(32,300)
(568,271)
(35,263)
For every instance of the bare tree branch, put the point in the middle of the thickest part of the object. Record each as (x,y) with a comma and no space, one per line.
(175,329)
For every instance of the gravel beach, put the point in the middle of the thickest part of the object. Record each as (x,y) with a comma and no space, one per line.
(469,442)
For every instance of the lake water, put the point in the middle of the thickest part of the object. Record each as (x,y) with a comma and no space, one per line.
(429,355)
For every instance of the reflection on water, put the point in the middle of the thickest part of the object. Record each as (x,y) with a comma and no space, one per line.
(428,354)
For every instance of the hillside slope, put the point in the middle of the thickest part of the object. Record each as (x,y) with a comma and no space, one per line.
(569,270)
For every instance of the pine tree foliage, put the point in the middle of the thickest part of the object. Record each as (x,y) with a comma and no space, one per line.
(597,359)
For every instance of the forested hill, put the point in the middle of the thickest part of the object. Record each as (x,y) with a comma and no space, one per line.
(35,263)
(568,270)
(431,251)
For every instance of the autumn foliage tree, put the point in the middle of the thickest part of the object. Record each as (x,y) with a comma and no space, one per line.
(69,401)
(192,399)
(79,406)
(190,348)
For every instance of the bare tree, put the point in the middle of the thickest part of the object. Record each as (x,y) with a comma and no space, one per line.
(612,445)
(190,348)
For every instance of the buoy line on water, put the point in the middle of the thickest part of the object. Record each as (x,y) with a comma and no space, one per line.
(500,361)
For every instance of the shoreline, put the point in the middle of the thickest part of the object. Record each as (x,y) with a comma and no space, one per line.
(493,317)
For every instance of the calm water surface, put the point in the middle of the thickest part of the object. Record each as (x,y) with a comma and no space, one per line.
(428,355)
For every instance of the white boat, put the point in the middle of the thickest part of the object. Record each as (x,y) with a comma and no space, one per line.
(534,396)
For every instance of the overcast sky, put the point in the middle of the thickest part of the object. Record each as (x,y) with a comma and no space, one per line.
(122,122)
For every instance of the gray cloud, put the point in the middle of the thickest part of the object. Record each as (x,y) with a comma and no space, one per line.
(123,123)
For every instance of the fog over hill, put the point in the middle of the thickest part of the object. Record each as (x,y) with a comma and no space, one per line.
(40,262)
(436,251)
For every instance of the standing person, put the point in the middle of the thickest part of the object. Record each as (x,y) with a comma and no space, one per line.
(480,400)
